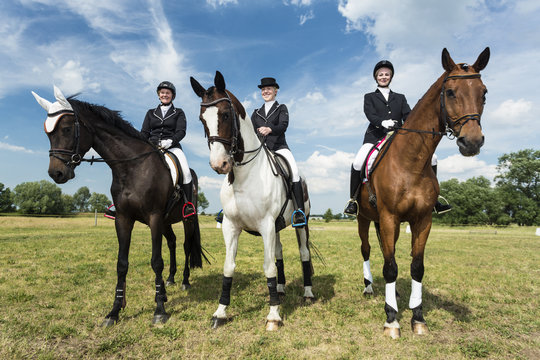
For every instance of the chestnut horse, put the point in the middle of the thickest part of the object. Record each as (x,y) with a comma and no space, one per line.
(141,187)
(253,195)
(452,106)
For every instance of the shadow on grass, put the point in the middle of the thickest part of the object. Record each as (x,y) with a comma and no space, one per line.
(430,301)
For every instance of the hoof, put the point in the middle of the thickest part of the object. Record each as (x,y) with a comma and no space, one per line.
(217,322)
(419,328)
(108,322)
(273,325)
(186,286)
(394,333)
(170,282)
(309,300)
(160,319)
(368,290)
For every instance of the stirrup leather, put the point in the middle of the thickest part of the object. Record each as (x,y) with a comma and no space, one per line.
(303,222)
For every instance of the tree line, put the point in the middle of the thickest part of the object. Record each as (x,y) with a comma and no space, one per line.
(513,197)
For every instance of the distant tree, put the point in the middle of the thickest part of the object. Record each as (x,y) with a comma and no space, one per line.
(38,197)
(98,202)
(202,202)
(80,198)
(518,182)
(328,215)
(6,199)
(69,204)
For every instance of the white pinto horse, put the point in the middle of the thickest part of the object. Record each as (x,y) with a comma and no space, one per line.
(252,195)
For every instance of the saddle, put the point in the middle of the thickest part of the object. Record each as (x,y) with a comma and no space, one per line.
(172,163)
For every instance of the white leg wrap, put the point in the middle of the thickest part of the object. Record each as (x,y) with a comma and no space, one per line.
(280,288)
(274,313)
(307,292)
(220,312)
(416,294)
(390,295)
(367,271)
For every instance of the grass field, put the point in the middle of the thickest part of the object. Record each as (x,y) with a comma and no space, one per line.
(57,279)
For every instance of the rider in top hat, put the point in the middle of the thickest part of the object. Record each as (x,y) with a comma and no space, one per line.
(271,121)
(385,111)
(165,126)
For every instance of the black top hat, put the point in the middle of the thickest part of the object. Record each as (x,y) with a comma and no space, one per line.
(268,81)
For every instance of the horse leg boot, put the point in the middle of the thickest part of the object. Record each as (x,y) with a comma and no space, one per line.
(356,180)
(189,209)
(280,267)
(440,208)
(299,215)
(302,235)
(220,316)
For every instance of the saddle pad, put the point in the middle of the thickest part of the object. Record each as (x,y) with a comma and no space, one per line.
(171,163)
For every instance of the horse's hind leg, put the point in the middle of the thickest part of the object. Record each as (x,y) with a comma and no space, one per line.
(302,235)
(280,267)
(363,231)
(171,243)
(420,232)
(123,232)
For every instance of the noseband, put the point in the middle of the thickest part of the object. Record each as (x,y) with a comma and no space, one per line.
(75,158)
(449,123)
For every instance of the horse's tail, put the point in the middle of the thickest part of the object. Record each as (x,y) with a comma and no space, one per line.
(192,233)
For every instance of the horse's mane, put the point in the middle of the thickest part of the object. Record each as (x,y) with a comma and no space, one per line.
(111,117)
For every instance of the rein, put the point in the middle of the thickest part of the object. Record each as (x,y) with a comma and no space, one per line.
(76,158)
(233,141)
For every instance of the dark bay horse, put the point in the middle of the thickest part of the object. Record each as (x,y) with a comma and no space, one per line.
(253,196)
(141,187)
(404,184)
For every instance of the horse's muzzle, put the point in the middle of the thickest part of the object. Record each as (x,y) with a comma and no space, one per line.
(222,166)
(470,147)
(61,176)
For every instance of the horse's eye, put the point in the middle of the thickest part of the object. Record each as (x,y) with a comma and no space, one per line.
(225,116)
(450,93)
(66,131)
(484,97)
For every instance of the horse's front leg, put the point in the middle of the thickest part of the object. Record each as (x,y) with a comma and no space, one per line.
(302,235)
(363,232)
(268,232)
(389,231)
(124,227)
(231,232)
(280,267)
(171,244)
(156,230)
(420,232)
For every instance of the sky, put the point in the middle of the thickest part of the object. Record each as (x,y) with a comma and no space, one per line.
(322,53)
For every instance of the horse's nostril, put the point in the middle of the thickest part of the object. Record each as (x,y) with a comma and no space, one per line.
(224,165)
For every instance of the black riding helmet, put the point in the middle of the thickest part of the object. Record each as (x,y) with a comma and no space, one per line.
(381,64)
(167,85)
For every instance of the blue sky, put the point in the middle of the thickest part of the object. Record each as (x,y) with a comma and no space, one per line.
(322,53)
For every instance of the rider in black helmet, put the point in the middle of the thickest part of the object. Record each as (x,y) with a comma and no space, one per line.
(165,126)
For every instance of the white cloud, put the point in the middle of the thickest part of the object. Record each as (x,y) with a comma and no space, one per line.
(327,173)
(307,16)
(463,168)
(216,3)
(206,182)
(15,148)
(511,110)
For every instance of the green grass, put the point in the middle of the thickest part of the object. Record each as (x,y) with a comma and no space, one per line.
(57,280)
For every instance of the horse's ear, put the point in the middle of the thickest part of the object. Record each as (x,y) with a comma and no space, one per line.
(219,81)
(482,60)
(197,88)
(447,62)
(46,104)
(61,98)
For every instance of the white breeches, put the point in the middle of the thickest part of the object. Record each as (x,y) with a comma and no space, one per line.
(361,156)
(434,160)
(287,154)
(183,164)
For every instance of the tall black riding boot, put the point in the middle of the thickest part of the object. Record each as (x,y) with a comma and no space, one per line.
(440,208)
(188,209)
(299,215)
(356,180)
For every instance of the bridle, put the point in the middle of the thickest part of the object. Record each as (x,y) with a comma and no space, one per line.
(74,157)
(445,122)
(448,123)
(233,141)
